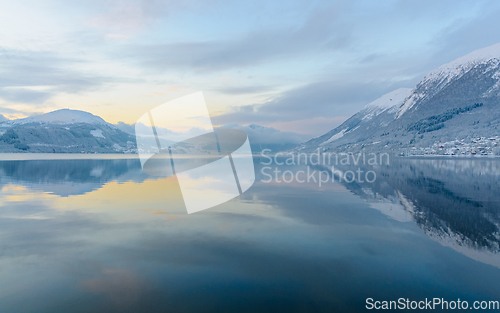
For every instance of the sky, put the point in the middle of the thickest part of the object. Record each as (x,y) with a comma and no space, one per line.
(301,66)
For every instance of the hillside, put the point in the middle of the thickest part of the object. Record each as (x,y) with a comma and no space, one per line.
(64,131)
(454,110)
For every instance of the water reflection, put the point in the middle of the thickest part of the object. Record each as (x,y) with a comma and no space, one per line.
(69,177)
(117,240)
(455,202)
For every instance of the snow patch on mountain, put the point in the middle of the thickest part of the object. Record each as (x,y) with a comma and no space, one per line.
(496,87)
(388,102)
(391,99)
(97,133)
(335,137)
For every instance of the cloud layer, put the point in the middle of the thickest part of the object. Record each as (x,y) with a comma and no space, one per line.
(279,64)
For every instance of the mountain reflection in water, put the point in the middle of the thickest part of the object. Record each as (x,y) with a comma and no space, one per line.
(455,202)
(100,235)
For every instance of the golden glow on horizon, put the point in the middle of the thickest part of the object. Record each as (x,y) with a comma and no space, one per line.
(155,197)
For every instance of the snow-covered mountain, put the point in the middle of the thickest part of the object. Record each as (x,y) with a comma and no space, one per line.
(454,110)
(481,65)
(64,131)
(261,137)
(63,116)
(374,116)
(82,132)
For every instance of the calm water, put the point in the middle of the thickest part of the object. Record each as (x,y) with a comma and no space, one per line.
(99,235)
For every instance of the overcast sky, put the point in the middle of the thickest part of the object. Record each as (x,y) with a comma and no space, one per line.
(302,66)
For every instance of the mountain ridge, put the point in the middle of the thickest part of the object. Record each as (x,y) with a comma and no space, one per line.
(488,57)
(62,116)
(64,131)
(454,110)
(76,131)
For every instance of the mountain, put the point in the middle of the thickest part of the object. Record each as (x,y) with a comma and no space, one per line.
(64,131)
(454,110)
(261,137)
(63,116)
(374,116)
(74,131)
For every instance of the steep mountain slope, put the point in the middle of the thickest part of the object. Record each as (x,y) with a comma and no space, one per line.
(375,116)
(64,131)
(475,75)
(454,110)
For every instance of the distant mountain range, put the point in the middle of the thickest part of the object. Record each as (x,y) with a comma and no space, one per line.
(73,131)
(454,110)
(261,137)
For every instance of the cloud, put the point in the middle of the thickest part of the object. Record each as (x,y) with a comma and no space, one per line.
(240,90)
(311,126)
(467,34)
(125,18)
(256,133)
(167,134)
(321,99)
(268,135)
(22,95)
(16,113)
(33,77)
(128,128)
(323,30)
(342,55)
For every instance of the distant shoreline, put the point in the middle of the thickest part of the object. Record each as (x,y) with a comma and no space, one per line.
(116,156)
(65,156)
